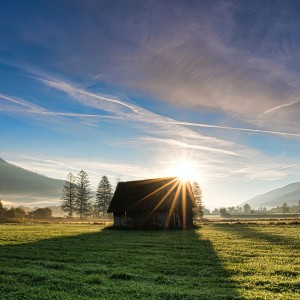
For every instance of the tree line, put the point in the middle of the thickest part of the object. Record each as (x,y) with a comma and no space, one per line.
(16,214)
(247,209)
(77,196)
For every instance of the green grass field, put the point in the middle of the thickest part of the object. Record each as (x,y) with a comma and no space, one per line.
(219,261)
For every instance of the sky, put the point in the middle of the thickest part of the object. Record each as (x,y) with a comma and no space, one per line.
(131,88)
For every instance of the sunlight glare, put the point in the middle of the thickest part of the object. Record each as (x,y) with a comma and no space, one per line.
(185,170)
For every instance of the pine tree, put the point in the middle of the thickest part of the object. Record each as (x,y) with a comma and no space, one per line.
(83,195)
(198,199)
(2,211)
(103,195)
(69,195)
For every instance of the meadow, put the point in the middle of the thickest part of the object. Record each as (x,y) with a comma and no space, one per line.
(89,261)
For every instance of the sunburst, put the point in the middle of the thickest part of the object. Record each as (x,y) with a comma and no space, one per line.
(184,170)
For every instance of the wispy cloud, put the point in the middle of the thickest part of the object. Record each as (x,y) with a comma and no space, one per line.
(38,110)
(288,167)
(183,145)
(96,168)
(233,128)
(21,102)
(262,171)
(202,63)
(173,133)
(181,55)
(275,108)
(149,121)
(144,115)
(167,133)
(71,89)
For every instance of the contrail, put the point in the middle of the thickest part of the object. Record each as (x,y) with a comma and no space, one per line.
(228,128)
(177,143)
(67,87)
(271,110)
(34,109)
(20,102)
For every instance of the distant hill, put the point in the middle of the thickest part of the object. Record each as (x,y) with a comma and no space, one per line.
(18,185)
(289,194)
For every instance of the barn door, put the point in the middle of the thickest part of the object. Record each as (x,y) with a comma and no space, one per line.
(174,219)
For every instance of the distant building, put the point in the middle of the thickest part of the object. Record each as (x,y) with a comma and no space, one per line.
(153,203)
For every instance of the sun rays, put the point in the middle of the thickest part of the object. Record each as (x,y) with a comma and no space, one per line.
(184,170)
(176,193)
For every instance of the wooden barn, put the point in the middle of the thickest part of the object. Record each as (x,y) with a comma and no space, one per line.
(153,203)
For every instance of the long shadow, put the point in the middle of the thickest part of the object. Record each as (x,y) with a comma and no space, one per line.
(245,231)
(112,264)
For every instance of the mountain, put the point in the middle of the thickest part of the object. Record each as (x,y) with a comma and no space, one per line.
(18,185)
(289,194)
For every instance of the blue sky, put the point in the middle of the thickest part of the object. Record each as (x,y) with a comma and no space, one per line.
(133,87)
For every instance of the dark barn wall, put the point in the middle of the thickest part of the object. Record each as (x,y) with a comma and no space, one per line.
(141,220)
(158,220)
(120,220)
(189,217)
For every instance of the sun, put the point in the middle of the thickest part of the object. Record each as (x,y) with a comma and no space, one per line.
(184,170)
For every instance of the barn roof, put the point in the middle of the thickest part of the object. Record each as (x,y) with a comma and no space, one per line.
(151,195)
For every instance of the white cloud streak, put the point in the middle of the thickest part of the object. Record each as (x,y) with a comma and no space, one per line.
(275,108)
(287,167)
(234,128)
(96,168)
(147,116)
(71,89)
(183,145)
(35,109)
(175,133)
(22,102)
